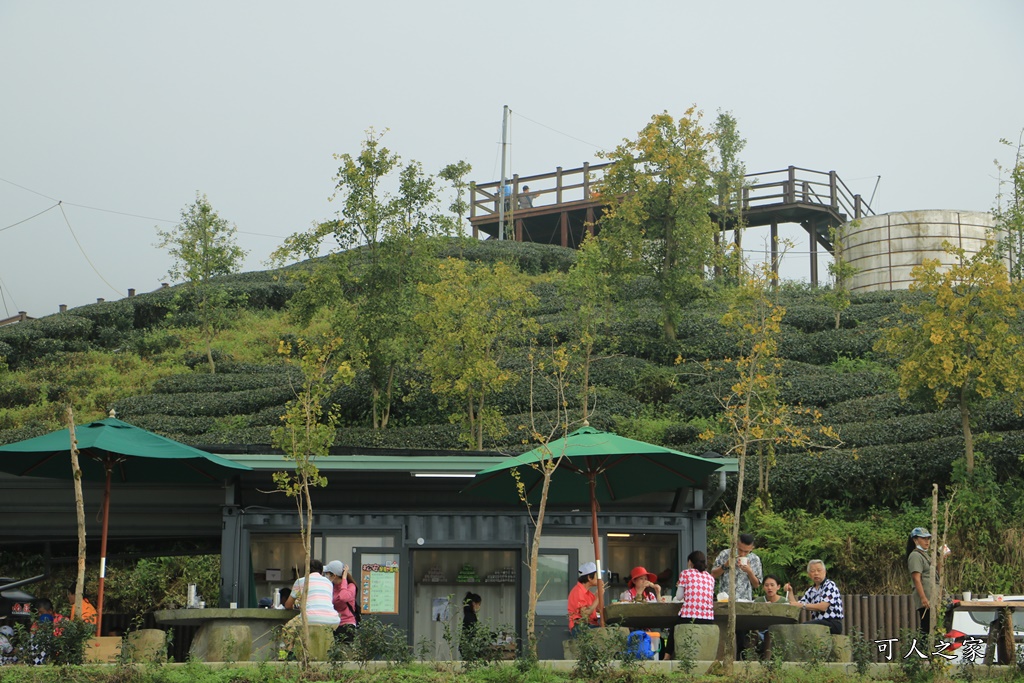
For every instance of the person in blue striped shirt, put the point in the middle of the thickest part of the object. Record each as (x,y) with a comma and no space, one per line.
(822,599)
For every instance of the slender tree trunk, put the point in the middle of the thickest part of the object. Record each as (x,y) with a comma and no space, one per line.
(965,421)
(374,399)
(531,610)
(386,410)
(80,512)
(480,423)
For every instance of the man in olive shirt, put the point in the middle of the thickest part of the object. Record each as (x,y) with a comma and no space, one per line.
(919,562)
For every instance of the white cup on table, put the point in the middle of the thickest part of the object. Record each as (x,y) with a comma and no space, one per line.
(967,596)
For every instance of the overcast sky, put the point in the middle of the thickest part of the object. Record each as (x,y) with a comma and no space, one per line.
(132,107)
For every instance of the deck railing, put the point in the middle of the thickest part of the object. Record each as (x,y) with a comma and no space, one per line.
(791,185)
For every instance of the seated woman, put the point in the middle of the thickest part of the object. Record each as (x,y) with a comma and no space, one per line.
(823,599)
(696,591)
(88,611)
(641,587)
(771,586)
(582,603)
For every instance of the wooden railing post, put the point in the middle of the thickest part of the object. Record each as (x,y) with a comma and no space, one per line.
(515,192)
(558,185)
(472,199)
(586,180)
(856,206)
(833,190)
(791,186)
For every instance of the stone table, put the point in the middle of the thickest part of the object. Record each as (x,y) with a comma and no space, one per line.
(230,634)
(750,616)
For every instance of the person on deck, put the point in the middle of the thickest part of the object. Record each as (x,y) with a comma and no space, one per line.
(823,599)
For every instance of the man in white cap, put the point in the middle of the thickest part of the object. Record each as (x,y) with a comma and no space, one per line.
(919,562)
(344,599)
(583,603)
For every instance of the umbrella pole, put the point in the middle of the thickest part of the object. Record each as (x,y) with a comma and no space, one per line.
(103,552)
(597,546)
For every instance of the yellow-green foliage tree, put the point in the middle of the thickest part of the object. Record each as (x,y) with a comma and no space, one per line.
(962,340)
(753,416)
(471,317)
(307,432)
(658,222)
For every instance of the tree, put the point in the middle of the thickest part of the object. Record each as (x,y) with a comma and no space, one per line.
(470,318)
(753,416)
(556,372)
(203,247)
(456,174)
(588,293)
(76,473)
(658,223)
(383,252)
(308,432)
(962,340)
(838,297)
(1009,211)
(728,174)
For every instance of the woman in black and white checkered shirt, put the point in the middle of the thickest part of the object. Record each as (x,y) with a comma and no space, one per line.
(822,599)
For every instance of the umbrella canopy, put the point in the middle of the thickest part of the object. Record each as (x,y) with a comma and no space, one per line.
(596,466)
(131,453)
(113,450)
(619,467)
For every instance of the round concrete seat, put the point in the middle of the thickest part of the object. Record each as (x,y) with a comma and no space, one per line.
(222,642)
(842,649)
(147,645)
(801,642)
(698,642)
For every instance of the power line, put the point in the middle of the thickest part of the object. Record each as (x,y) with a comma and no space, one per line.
(25,220)
(119,213)
(555,130)
(80,248)
(28,189)
(3,286)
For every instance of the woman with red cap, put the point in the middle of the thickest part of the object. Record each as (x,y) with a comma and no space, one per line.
(641,587)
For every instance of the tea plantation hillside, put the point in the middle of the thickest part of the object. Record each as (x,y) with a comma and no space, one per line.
(647,388)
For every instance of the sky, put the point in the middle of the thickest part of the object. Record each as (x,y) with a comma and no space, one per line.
(123,111)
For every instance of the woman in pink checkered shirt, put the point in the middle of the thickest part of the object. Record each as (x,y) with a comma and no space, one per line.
(697,591)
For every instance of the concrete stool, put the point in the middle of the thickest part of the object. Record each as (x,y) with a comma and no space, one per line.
(147,645)
(801,642)
(222,643)
(842,649)
(698,642)
(320,640)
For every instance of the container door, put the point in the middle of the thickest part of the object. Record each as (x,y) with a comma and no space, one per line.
(556,575)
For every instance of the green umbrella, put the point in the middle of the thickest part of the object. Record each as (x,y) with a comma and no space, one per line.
(597,466)
(113,449)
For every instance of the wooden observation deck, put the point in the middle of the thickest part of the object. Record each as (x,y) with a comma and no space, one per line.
(561,207)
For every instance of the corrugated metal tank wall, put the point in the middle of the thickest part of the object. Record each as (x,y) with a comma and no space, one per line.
(885,248)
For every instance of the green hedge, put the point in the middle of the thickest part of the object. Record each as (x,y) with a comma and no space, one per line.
(260,377)
(211,404)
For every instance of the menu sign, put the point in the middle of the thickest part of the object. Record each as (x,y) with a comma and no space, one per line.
(379,587)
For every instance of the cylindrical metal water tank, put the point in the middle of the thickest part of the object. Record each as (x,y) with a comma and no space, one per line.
(885,248)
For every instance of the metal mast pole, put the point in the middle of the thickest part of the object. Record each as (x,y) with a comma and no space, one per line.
(501,190)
